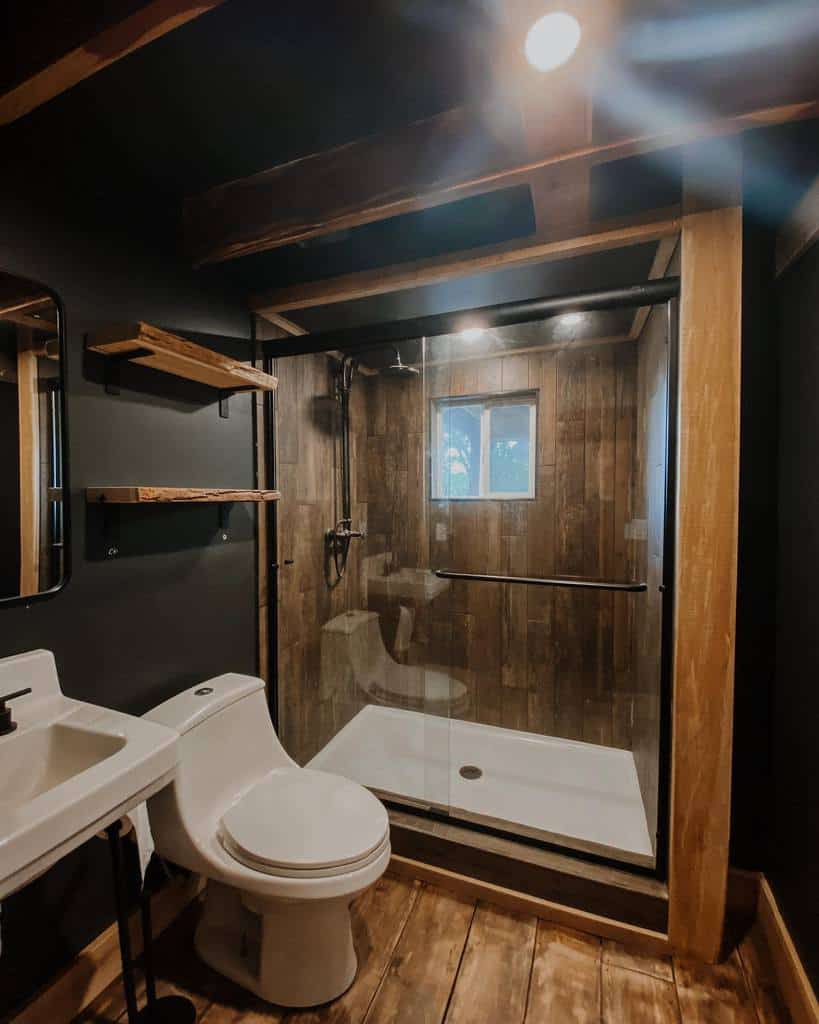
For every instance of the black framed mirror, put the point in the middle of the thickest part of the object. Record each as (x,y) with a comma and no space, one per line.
(35,551)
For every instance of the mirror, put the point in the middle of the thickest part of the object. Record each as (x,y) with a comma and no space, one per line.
(33,515)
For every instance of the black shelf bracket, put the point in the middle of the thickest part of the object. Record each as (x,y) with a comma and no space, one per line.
(224,398)
(113,366)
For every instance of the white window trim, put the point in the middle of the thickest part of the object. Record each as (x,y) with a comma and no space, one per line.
(487,403)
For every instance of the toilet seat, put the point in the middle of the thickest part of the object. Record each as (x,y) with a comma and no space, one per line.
(420,688)
(297,822)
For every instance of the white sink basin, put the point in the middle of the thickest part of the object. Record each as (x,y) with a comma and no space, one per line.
(407,584)
(68,770)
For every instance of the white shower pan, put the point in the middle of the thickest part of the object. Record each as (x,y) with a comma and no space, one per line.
(574,794)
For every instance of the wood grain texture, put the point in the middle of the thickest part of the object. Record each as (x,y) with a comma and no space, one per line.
(633,995)
(494,972)
(179,357)
(713,992)
(651,942)
(616,954)
(565,983)
(379,919)
(427,956)
(140,494)
(791,976)
(143,26)
(29,431)
(582,240)
(705,604)
(337,189)
(760,976)
(422,970)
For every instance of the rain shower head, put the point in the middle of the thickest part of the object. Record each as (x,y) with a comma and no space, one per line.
(399,369)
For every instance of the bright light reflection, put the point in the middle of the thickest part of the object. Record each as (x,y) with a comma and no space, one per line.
(552,40)
(471,333)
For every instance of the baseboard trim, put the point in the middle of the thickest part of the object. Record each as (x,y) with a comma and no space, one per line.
(793,980)
(93,970)
(655,943)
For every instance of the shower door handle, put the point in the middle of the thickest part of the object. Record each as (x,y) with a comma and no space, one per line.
(576,583)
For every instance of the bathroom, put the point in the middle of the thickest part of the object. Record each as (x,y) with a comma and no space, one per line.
(594,377)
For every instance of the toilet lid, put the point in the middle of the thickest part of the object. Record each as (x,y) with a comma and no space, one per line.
(297,818)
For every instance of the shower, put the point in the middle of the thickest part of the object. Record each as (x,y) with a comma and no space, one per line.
(338,538)
(400,369)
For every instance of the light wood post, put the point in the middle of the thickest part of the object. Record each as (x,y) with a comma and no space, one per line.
(705,599)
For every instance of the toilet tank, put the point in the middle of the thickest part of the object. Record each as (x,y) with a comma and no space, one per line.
(352,654)
(226,743)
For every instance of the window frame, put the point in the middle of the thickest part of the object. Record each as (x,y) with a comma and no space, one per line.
(488,402)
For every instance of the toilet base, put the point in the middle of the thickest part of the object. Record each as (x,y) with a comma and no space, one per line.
(294,953)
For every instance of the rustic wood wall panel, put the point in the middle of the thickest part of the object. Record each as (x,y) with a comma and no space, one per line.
(556,662)
(308,432)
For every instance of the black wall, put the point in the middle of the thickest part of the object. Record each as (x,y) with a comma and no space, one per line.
(178,604)
(793,868)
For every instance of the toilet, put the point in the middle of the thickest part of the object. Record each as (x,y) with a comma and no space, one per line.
(284,849)
(353,656)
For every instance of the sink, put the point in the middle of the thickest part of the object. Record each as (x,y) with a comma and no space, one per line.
(407,584)
(69,769)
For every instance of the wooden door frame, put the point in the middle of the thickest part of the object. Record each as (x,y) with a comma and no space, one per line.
(707,474)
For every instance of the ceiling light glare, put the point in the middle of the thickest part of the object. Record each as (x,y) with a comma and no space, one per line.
(570,319)
(471,333)
(552,40)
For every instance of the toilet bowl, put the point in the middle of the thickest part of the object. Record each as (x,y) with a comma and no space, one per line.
(353,656)
(284,849)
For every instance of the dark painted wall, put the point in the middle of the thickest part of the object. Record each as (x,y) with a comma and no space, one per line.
(756,593)
(793,867)
(178,605)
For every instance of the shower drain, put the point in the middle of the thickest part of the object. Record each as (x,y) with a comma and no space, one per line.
(470,771)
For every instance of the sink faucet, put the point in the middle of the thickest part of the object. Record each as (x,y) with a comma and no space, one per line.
(6,723)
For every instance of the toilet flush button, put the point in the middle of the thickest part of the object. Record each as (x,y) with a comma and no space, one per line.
(203,691)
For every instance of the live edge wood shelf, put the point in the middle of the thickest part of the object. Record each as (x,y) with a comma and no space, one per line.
(160,350)
(156,495)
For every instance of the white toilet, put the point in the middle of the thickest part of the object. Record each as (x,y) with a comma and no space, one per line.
(353,655)
(285,849)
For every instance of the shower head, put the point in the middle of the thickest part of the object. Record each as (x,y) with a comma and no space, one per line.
(399,369)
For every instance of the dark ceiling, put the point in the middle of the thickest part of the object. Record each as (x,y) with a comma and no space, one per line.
(253,83)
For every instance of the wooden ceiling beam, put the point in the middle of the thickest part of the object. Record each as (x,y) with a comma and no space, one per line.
(444,158)
(106,47)
(519,252)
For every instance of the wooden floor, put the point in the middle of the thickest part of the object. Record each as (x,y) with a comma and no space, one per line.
(427,955)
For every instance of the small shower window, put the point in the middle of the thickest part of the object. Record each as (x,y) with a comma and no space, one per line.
(484,447)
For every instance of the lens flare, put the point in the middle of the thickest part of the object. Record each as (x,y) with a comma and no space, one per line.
(552,40)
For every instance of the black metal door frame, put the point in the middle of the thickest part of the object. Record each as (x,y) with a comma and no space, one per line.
(649,293)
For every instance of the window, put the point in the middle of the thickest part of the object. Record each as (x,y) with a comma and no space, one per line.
(484,447)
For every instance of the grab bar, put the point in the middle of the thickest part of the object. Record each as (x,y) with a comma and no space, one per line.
(543,581)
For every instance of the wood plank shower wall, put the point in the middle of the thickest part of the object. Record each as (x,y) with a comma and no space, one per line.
(581,665)
(545,660)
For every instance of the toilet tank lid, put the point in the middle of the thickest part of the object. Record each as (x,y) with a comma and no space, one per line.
(195,705)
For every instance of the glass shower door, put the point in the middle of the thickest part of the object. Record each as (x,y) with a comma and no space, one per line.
(547,514)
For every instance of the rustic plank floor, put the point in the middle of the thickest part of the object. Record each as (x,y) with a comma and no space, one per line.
(428,956)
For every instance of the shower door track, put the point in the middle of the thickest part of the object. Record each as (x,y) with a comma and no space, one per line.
(664,291)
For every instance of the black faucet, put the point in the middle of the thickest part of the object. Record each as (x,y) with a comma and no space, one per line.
(6,724)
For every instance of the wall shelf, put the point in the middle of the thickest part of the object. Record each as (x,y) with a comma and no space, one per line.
(160,350)
(138,495)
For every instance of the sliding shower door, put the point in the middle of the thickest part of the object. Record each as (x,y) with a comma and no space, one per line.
(547,511)
(475,575)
